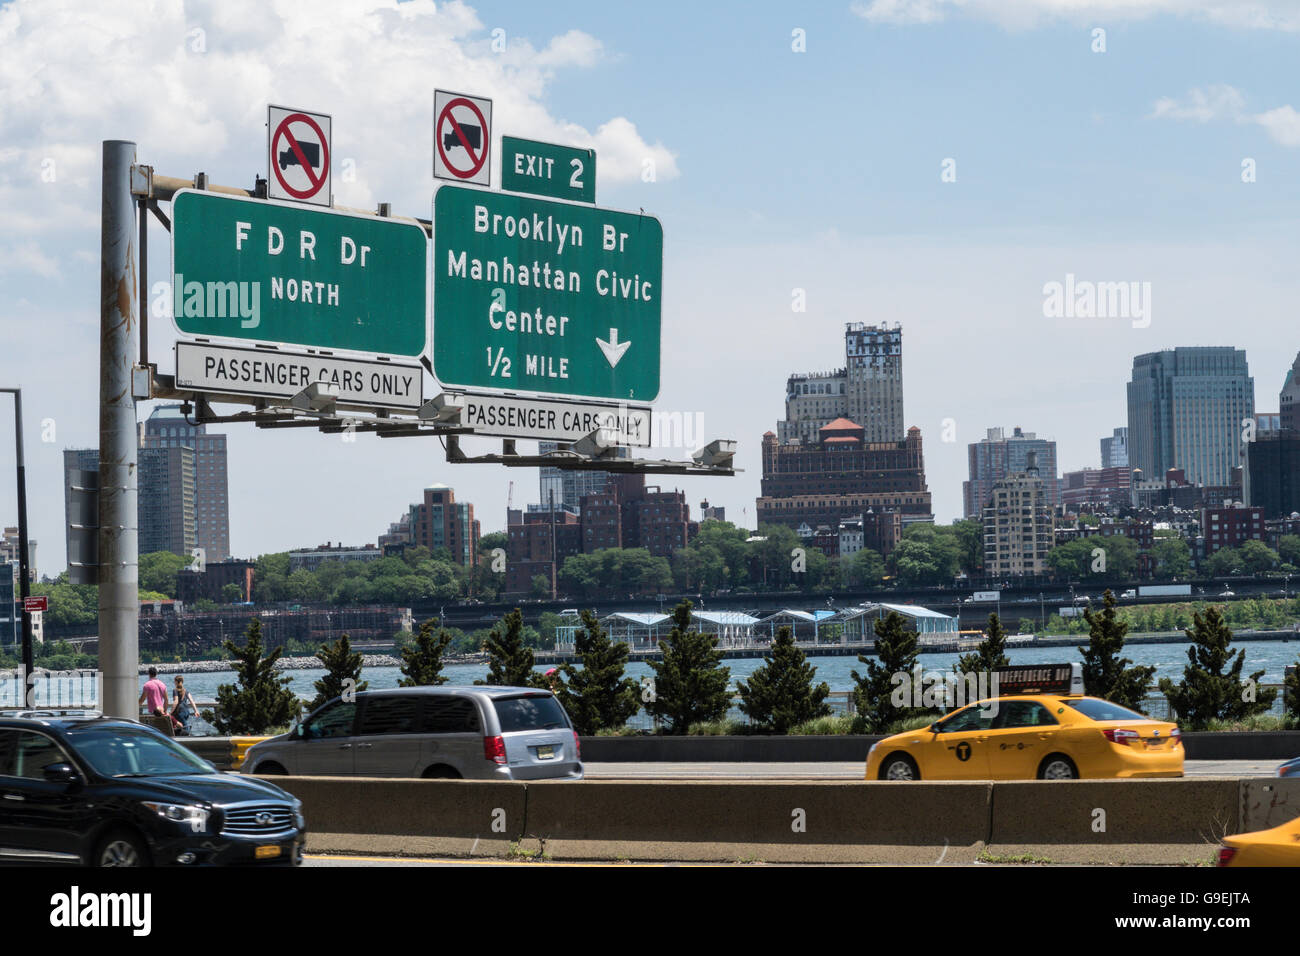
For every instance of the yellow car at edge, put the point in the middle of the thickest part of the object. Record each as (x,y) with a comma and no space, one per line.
(1279,846)
(1032,736)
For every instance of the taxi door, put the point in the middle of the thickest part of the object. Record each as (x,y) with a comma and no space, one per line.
(959,751)
(1022,734)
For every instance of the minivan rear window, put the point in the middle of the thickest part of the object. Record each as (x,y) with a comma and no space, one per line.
(449,715)
(529,712)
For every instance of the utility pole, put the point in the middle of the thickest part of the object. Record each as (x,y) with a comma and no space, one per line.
(24,574)
(119,335)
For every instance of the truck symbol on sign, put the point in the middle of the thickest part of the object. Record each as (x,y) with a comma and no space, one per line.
(473,136)
(310,150)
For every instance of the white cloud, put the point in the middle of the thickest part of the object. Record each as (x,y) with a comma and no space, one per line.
(189,82)
(1215,102)
(1283,124)
(1025,14)
(1222,102)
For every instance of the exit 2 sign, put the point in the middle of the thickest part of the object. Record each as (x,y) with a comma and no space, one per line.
(544,169)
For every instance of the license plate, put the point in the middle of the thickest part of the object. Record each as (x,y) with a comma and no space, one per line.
(545,753)
(266,852)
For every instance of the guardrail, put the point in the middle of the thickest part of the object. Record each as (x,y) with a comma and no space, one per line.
(852,821)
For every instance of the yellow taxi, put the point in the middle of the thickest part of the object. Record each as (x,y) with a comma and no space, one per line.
(1026,736)
(1279,846)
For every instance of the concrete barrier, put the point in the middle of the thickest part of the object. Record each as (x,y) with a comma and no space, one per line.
(773,822)
(1276,745)
(1188,812)
(403,816)
(1089,821)
(1268,802)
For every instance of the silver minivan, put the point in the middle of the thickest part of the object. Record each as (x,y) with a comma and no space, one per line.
(474,733)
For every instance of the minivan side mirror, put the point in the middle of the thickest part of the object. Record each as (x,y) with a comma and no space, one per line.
(62,773)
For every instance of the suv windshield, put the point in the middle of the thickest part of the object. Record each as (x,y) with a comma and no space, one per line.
(1099,709)
(529,712)
(131,752)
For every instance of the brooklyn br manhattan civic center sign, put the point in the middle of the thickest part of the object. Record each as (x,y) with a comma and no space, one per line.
(531,295)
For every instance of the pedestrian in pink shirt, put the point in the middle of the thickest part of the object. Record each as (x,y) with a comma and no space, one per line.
(155,693)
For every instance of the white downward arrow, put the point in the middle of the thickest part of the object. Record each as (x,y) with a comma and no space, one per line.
(613,349)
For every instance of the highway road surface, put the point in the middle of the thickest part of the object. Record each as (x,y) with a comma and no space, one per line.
(831,770)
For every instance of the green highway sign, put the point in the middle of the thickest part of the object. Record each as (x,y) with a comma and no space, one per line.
(285,273)
(544,169)
(550,297)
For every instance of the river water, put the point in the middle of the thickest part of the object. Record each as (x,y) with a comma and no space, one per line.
(1269,656)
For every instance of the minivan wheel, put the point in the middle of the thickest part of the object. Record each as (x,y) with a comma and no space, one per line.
(270,767)
(441,772)
(121,848)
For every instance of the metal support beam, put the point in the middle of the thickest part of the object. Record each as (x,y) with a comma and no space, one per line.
(119,602)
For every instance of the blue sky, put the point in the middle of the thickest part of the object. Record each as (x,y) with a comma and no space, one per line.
(777,170)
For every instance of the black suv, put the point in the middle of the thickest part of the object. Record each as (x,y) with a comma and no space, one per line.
(108,792)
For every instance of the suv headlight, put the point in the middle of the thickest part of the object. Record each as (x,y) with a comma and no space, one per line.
(195,817)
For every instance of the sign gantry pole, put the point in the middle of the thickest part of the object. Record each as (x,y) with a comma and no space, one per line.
(119,310)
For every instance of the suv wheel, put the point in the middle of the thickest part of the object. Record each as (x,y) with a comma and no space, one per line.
(121,848)
(270,767)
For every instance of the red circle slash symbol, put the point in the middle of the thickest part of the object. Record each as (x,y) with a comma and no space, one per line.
(317,181)
(476,161)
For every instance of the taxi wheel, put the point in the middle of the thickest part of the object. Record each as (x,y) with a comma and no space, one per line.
(899,767)
(1057,767)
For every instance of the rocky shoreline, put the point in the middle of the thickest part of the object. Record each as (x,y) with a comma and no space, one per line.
(295,664)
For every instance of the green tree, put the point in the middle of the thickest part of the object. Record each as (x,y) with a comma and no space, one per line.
(1222,563)
(690,683)
(990,655)
(593,689)
(232,593)
(1257,557)
(260,700)
(159,571)
(422,658)
(1291,692)
(893,667)
(780,693)
(1208,691)
(1105,673)
(510,660)
(1288,548)
(342,672)
(1173,558)
(541,586)
(970,536)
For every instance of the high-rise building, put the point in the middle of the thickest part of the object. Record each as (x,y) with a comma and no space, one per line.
(567,486)
(165,496)
(1096,489)
(10,551)
(874,390)
(1114,450)
(1018,525)
(998,456)
(11,619)
(1185,410)
(168,427)
(812,400)
(1289,398)
(843,476)
(868,390)
(165,505)
(440,521)
(1272,473)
